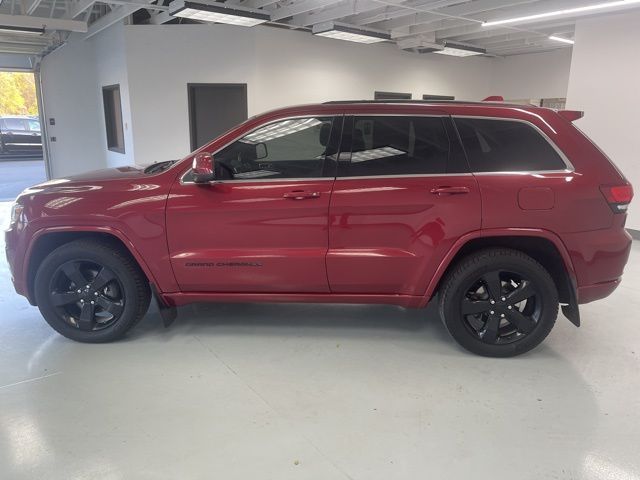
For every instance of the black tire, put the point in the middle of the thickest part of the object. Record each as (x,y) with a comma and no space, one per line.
(114,297)
(504,328)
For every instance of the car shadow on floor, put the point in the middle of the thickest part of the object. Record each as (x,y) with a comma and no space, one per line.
(298,319)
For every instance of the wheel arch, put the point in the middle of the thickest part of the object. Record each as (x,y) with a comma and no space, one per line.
(543,246)
(47,240)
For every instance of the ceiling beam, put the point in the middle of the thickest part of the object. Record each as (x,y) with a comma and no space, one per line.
(484,33)
(252,3)
(421,29)
(160,18)
(343,9)
(114,16)
(79,7)
(39,22)
(459,13)
(32,6)
(388,12)
(299,7)
(511,36)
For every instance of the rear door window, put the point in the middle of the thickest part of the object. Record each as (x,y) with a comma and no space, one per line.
(398,145)
(506,146)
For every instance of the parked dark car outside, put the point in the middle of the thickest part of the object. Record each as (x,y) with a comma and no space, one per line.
(20,135)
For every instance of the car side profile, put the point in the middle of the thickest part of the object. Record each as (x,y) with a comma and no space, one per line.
(20,134)
(500,212)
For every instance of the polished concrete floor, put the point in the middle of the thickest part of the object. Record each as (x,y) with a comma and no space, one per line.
(319,392)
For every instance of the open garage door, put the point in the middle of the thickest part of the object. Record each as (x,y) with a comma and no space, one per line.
(22,161)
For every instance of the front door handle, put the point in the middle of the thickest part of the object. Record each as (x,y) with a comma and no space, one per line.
(301,195)
(449,190)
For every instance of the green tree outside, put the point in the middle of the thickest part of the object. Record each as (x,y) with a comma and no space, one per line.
(18,94)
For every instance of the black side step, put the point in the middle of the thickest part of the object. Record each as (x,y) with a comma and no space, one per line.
(167,312)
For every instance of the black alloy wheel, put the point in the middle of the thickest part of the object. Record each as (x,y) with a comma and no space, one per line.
(91,290)
(499,302)
(501,307)
(87,295)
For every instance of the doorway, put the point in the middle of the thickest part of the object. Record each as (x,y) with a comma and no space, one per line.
(21,155)
(214,108)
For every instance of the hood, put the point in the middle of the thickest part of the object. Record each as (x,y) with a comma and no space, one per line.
(90,181)
(104,174)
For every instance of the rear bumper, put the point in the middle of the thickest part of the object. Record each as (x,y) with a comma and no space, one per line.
(598,258)
(590,293)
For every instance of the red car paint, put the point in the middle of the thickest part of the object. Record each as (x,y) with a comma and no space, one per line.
(357,240)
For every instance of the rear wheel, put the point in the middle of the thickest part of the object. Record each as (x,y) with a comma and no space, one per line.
(91,292)
(499,303)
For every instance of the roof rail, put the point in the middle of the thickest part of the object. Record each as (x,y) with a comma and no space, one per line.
(425,102)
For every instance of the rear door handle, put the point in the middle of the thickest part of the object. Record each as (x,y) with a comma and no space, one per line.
(449,190)
(301,195)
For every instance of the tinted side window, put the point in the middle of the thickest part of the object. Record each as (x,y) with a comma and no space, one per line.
(398,146)
(293,148)
(506,146)
(14,124)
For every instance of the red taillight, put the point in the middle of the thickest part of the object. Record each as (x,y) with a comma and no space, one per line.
(618,196)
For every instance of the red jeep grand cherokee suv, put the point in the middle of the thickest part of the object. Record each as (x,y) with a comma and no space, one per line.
(504,211)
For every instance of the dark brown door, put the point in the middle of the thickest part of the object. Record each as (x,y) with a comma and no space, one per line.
(214,108)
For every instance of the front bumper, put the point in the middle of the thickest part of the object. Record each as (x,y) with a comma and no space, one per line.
(15,259)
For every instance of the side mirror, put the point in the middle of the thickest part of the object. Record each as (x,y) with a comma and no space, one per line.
(203,168)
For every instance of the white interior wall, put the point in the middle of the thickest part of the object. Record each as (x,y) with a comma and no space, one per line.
(69,84)
(535,75)
(161,61)
(111,69)
(154,64)
(72,81)
(280,67)
(604,83)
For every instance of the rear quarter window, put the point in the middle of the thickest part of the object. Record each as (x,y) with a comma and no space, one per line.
(506,146)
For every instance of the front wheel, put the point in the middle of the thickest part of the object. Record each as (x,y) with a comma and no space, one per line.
(499,303)
(91,291)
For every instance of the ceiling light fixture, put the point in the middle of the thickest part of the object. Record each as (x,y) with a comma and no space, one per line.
(341,31)
(21,30)
(560,39)
(458,50)
(218,13)
(557,13)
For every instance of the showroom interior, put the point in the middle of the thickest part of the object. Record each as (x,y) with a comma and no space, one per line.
(242,390)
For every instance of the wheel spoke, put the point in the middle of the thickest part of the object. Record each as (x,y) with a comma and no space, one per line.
(102,279)
(523,323)
(60,299)
(490,332)
(473,307)
(87,317)
(493,284)
(109,305)
(522,292)
(73,273)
